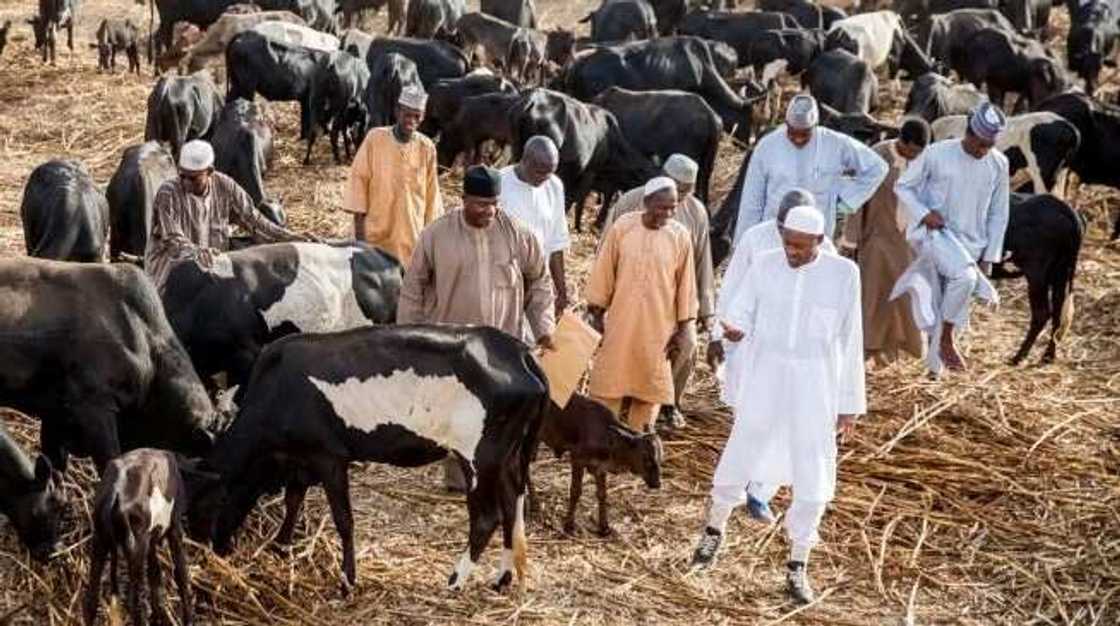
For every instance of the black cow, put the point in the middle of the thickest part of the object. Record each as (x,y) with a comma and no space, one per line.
(405,395)
(434,59)
(735,29)
(669,14)
(1043,241)
(682,63)
(132,189)
(53,15)
(338,98)
(275,290)
(243,146)
(117,36)
(622,20)
(644,116)
(1093,34)
(521,13)
(89,352)
(797,46)
(446,97)
(5,28)
(594,152)
(944,35)
(30,497)
(425,18)
(201,13)
(1030,17)
(479,119)
(914,11)
(1006,62)
(388,77)
(65,216)
(932,96)
(257,64)
(808,14)
(181,108)
(843,81)
(721,228)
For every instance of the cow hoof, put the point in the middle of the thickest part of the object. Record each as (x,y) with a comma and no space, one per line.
(570,528)
(504,581)
(605,531)
(1015,361)
(454,583)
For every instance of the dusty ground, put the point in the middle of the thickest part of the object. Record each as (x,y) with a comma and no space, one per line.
(990,498)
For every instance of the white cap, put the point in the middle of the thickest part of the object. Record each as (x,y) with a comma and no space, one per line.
(681,168)
(196,155)
(804,219)
(413,97)
(802,112)
(661,183)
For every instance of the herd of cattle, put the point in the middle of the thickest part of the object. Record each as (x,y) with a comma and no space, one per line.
(302,335)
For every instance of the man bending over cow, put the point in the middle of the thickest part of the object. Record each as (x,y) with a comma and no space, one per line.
(479,266)
(191,217)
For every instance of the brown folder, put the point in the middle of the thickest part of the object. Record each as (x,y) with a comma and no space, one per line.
(575,343)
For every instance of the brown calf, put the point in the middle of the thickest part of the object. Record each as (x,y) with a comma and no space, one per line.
(597,442)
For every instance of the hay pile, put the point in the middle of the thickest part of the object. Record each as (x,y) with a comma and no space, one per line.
(990,498)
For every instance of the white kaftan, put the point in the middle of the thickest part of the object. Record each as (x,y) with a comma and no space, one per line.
(833,166)
(540,209)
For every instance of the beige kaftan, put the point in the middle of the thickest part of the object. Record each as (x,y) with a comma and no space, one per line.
(494,276)
(645,279)
(396,187)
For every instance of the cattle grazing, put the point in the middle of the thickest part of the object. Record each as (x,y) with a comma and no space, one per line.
(212,45)
(90,353)
(882,40)
(1041,144)
(944,35)
(388,77)
(933,96)
(131,191)
(30,497)
(1005,62)
(808,14)
(843,81)
(479,119)
(53,15)
(140,503)
(1043,241)
(243,145)
(737,30)
(521,13)
(434,59)
(117,36)
(445,97)
(181,108)
(65,216)
(492,35)
(345,397)
(338,99)
(5,28)
(597,442)
(1092,41)
(427,18)
(622,20)
(643,116)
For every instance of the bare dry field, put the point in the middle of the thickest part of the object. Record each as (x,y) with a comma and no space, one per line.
(988,498)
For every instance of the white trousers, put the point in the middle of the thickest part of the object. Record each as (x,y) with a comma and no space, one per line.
(802,519)
(956,296)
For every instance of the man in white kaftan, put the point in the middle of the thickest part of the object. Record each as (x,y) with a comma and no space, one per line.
(841,173)
(961,186)
(801,379)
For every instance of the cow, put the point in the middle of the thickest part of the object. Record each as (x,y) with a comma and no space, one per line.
(594,152)
(426,18)
(88,351)
(596,441)
(492,35)
(521,13)
(131,191)
(434,59)
(478,119)
(643,117)
(243,145)
(944,35)
(212,45)
(737,30)
(319,14)
(1030,17)
(338,99)
(669,14)
(808,14)
(1043,143)
(843,81)
(53,15)
(140,503)
(526,60)
(797,46)
(351,8)
(403,395)
(933,96)
(1006,62)
(1043,241)
(65,216)
(387,79)
(30,497)
(5,28)
(883,40)
(273,290)
(683,63)
(1092,42)
(446,97)
(117,36)
(622,20)
(181,108)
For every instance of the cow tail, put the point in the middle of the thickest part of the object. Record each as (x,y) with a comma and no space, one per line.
(1068,308)
(529,443)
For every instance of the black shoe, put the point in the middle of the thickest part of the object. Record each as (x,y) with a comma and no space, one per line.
(705,554)
(797,583)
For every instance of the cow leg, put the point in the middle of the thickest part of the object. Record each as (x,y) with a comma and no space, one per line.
(601,494)
(575,491)
(311,136)
(1059,292)
(99,431)
(99,551)
(137,559)
(156,600)
(294,494)
(336,481)
(1040,312)
(483,514)
(580,193)
(335,131)
(182,573)
(512,504)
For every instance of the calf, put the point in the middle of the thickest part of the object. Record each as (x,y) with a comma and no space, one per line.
(276,71)
(212,45)
(1043,241)
(114,36)
(808,14)
(434,59)
(1006,62)
(933,96)
(339,101)
(945,35)
(843,81)
(1091,44)
(243,145)
(427,18)
(521,13)
(181,108)
(139,504)
(622,20)
(387,79)
(403,395)
(479,119)
(53,15)
(30,497)
(446,96)
(737,30)
(596,441)
(131,191)
(65,216)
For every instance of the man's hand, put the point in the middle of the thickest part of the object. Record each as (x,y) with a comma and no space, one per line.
(844,426)
(673,347)
(716,356)
(933,221)
(595,318)
(731,333)
(544,342)
(986,268)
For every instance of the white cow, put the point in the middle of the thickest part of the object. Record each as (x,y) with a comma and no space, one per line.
(874,32)
(213,43)
(296,35)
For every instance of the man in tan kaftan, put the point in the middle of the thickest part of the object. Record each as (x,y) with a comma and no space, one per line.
(644,282)
(393,188)
(876,233)
(691,214)
(478,266)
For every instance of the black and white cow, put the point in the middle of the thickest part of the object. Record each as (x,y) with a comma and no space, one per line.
(30,497)
(65,215)
(88,351)
(403,395)
(181,108)
(882,39)
(224,318)
(131,191)
(933,96)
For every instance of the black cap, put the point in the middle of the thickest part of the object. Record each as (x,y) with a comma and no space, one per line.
(482,182)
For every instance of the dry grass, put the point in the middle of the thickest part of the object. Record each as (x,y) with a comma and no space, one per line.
(990,498)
